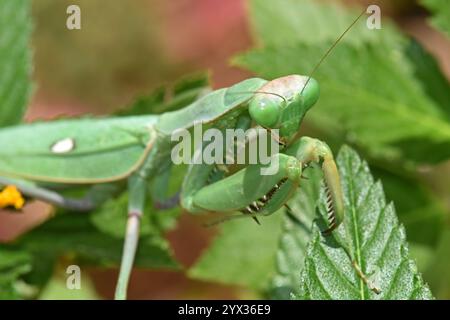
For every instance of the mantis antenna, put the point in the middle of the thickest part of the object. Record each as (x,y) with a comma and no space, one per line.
(264,92)
(331,49)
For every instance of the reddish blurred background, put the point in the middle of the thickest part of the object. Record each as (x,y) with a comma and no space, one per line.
(126,49)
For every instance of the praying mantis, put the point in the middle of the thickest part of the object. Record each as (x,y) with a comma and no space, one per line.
(35,158)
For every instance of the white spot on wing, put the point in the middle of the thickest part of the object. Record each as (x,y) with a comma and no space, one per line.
(63,146)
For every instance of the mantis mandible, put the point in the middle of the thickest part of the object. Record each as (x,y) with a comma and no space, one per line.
(137,150)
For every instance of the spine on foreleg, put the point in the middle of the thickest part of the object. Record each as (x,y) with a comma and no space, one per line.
(335,205)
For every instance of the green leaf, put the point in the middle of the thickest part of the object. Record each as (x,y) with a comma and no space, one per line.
(302,21)
(441,14)
(15,60)
(295,236)
(42,268)
(168,98)
(372,237)
(13,264)
(76,235)
(243,253)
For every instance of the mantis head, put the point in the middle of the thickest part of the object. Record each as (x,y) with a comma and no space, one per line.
(282,103)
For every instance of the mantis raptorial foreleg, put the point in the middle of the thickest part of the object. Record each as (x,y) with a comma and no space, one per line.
(309,150)
(312,150)
(248,191)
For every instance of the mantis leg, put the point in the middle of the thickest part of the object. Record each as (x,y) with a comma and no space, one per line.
(137,190)
(95,197)
(138,184)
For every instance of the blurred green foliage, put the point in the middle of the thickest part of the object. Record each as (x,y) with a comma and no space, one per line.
(441,13)
(15,60)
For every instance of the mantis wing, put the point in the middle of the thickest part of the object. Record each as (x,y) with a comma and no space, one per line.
(75,151)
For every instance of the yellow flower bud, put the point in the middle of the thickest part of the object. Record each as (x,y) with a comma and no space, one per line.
(11,196)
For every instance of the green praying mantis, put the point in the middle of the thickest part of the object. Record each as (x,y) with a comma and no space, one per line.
(37,157)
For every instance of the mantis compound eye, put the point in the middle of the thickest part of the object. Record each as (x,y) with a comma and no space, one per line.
(266,110)
(310,93)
